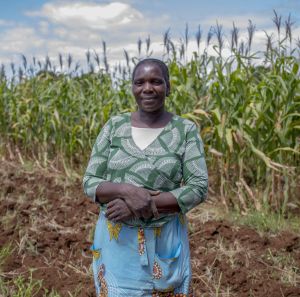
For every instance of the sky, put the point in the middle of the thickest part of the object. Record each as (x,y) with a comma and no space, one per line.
(37,28)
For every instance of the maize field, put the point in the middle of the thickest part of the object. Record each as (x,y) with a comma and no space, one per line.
(247,106)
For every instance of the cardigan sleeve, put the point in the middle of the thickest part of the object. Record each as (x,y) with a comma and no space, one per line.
(95,173)
(194,172)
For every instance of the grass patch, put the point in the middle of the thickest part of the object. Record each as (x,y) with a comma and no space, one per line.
(229,252)
(9,218)
(5,251)
(265,221)
(285,267)
(24,287)
(20,286)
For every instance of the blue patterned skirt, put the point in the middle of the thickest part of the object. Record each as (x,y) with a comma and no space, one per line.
(135,261)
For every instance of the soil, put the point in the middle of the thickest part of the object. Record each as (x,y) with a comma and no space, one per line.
(49,222)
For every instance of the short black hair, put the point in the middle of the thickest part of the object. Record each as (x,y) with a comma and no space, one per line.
(163,67)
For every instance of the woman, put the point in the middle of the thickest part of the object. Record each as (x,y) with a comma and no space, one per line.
(146,170)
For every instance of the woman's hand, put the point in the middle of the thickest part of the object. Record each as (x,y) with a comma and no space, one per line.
(118,211)
(138,200)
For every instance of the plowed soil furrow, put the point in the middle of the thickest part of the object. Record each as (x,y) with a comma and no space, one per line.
(49,223)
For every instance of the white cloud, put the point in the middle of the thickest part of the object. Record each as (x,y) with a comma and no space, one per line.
(20,39)
(44,27)
(6,23)
(89,15)
(76,26)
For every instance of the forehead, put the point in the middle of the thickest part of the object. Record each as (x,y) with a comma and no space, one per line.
(146,69)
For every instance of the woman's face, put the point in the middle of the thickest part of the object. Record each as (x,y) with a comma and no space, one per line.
(149,87)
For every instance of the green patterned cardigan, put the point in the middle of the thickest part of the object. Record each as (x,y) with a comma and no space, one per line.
(174,162)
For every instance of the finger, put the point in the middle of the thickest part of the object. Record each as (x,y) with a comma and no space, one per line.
(117,220)
(110,210)
(154,209)
(121,215)
(125,217)
(115,204)
(136,213)
(121,219)
(154,193)
(120,208)
(111,203)
(112,216)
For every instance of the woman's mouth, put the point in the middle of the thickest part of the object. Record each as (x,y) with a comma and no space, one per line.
(148,100)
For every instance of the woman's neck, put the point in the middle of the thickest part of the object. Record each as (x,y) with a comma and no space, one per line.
(155,119)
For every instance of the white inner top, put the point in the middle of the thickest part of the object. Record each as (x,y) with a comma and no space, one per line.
(144,136)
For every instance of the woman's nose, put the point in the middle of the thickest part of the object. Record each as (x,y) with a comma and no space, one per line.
(148,87)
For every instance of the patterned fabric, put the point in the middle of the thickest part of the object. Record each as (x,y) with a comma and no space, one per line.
(162,268)
(175,156)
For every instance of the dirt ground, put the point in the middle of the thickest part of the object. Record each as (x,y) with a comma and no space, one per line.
(49,223)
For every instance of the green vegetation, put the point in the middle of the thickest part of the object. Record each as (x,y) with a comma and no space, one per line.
(24,287)
(284,266)
(5,251)
(247,106)
(18,286)
(266,221)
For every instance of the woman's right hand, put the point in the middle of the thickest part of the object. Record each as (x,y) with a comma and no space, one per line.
(138,200)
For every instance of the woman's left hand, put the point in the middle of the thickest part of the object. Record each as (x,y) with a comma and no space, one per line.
(118,211)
